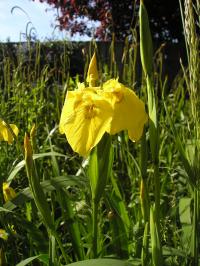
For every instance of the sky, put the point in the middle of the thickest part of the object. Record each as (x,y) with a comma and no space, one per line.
(13,24)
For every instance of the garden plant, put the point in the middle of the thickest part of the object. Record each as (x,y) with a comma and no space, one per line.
(104,170)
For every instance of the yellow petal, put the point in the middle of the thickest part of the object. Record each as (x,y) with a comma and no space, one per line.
(72,100)
(92,74)
(68,109)
(129,111)
(8,192)
(84,120)
(5,133)
(3,234)
(136,132)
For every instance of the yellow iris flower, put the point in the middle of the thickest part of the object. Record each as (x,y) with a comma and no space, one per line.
(3,234)
(84,119)
(5,133)
(128,110)
(91,111)
(8,192)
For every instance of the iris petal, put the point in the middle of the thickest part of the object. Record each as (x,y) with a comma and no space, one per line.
(8,192)
(84,120)
(129,111)
(5,133)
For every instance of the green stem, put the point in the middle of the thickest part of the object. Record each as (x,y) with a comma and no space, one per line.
(94,229)
(154,144)
(157,193)
(144,193)
(72,222)
(52,254)
(145,246)
(60,246)
(195,228)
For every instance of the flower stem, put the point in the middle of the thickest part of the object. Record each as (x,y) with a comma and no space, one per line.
(94,229)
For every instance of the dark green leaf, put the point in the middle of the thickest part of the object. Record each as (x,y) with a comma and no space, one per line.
(42,257)
(101,262)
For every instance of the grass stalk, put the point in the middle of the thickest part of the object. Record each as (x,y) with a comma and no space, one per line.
(191,29)
(195,233)
(58,240)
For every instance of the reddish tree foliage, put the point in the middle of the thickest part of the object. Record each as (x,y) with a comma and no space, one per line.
(74,16)
(116,16)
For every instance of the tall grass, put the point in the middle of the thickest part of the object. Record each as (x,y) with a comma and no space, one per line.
(144,209)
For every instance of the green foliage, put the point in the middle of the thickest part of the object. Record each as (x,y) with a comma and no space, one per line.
(41,257)
(112,194)
(102,262)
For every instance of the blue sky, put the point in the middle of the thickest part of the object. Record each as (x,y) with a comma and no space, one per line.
(13,25)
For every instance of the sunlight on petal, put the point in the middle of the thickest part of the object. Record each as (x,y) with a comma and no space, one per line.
(129,111)
(84,120)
